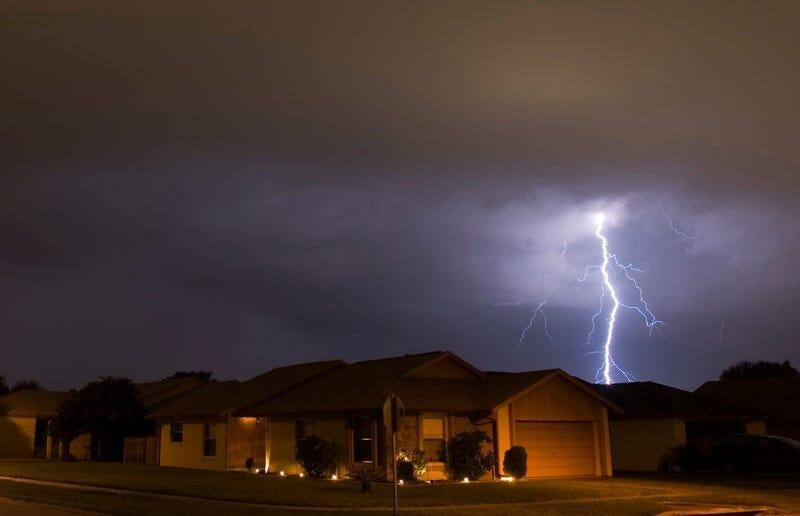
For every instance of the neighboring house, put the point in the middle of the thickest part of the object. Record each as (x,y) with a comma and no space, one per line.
(562,423)
(777,399)
(657,418)
(25,416)
(199,430)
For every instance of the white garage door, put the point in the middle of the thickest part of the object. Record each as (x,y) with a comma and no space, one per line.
(557,448)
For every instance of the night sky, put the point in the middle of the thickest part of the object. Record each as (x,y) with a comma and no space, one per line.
(238,185)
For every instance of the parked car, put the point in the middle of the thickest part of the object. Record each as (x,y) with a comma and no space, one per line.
(756,453)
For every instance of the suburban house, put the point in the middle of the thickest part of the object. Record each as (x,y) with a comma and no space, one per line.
(200,430)
(656,418)
(26,414)
(562,423)
(24,418)
(778,399)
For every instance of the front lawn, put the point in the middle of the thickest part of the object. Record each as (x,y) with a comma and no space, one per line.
(307,492)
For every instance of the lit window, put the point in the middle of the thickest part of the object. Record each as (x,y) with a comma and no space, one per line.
(362,440)
(176,432)
(432,436)
(209,440)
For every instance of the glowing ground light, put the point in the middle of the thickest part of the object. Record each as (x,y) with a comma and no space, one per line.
(603,374)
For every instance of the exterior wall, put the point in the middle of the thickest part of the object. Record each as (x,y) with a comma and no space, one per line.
(560,400)
(246,439)
(639,444)
(16,437)
(189,453)
(280,443)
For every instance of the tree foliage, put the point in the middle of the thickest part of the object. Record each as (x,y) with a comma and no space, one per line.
(3,386)
(464,455)
(109,410)
(760,369)
(27,384)
(206,376)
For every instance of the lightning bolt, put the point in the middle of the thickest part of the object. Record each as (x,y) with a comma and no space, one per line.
(721,330)
(539,310)
(674,228)
(603,374)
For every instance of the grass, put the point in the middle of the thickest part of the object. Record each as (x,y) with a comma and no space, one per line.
(636,494)
(227,486)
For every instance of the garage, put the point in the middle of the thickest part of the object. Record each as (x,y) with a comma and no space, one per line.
(557,448)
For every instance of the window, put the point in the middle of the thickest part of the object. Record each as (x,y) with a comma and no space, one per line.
(362,440)
(176,432)
(302,429)
(432,436)
(209,440)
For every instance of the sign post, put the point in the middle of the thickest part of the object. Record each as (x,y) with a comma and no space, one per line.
(393,411)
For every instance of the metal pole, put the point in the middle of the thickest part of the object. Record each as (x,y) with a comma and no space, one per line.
(394,451)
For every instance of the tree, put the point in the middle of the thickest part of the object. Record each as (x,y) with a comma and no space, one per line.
(315,455)
(67,425)
(26,384)
(465,457)
(760,369)
(206,376)
(3,386)
(109,410)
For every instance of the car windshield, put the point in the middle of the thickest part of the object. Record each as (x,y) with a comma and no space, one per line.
(791,443)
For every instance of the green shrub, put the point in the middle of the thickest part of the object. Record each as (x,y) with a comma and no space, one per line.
(515,462)
(417,459)
(405,471)
(366,476)
(315,455)
(464,456)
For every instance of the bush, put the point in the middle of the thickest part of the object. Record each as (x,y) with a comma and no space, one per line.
(315,455)
(464,456)
(417,460)
(515,462)
(405,471)
(248,464)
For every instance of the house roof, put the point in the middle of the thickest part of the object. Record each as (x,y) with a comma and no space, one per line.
(366,385)
(32,403)
(44,403)
(219,398)
(773,397)
(651,399)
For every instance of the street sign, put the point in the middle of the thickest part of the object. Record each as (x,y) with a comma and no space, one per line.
(393,413)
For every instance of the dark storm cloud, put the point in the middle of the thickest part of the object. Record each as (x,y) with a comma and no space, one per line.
(237,185)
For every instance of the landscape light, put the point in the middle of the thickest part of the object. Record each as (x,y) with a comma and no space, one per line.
(507,479)
(466,480)
(401,482)
(282,473)
(334,477)
(302,475)
(258,470)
